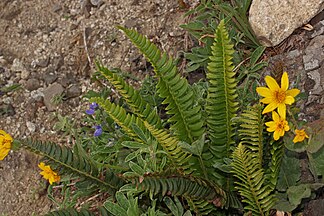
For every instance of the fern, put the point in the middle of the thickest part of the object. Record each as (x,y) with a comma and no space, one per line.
(138,105)
(221,106)
(251,185)
(170,145)
(200,207)
(122,118)
(179,185)
(186,118)
(70,162)
(251,129)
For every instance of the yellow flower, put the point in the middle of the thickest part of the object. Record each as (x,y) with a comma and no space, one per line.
(279,125)
(48,173)
(277,97)
(300,135)
(5,144)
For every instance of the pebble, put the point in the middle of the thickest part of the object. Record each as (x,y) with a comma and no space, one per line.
(49,93)
(73,91)
(31,126)
(32,84)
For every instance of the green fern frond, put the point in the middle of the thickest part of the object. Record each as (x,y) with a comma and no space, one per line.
(169,143)
(221,106)
(178,185)
(121,117)
(69,162)
(138,105)
(277,153)
(187,122)
(200,207)
(251,131)
(251,182)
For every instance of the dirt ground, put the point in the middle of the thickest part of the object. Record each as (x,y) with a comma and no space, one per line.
(49,46)
(46,43)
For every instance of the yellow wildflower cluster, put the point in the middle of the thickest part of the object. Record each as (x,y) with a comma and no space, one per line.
(48,173)
(277,97)
(5,144)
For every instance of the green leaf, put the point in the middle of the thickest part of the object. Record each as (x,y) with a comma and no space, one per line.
(136,168)
(317,161)
(176,208)
(196,147)
(132,144)
(297,193)
(295,147)
(316,143)
(115,209)
(289,173)
(257,53)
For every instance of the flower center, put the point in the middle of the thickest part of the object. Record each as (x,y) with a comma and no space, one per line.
(281,125)
(280,96)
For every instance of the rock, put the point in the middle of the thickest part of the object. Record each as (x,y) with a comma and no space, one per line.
(31,126)
(51,91)
(17,66)
(56,8)
(49,76)
(314,208)
(272,21)
(97,3)
(24,74)
(43,62)
(67,80)
(73,91)
(32,84)
(58,62)
(314,53)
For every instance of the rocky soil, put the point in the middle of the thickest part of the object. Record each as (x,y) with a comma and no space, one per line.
(49,46)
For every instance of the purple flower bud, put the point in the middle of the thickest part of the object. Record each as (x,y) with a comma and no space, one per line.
(93,105)
(98,130)
(90,111)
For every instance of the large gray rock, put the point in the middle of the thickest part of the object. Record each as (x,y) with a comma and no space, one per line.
(51,91)
(274,20)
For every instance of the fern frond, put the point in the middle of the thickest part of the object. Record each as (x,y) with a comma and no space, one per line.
(170,145)
(277,153)
(138,105)
(178,185)
(200,207)
(251,182)
(251,129)
(221,106)
(121,117)
(186,120)
(69,162)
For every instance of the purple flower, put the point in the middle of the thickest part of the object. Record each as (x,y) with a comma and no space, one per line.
(98,130)
(93,106)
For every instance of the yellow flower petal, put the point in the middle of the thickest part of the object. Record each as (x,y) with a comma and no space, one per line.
(284,81)
(264,92)
(270,107)
(272,83)
(276,135)
(266,100)
(282,110)
(275,117)
(292,92)
(289,100)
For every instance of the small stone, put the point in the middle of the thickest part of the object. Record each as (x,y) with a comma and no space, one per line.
(49,76)
(130,23)
(97,3)
(58,62)
(67,80)
(73,91)
(43,62)
(51,91)
(31,126)
(24,74)
(17,66)
(56,8)
(32,84)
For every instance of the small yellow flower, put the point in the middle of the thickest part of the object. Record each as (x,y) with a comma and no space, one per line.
(300,135)
(5,144)
(277,97)
(48,173)
(279,125)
